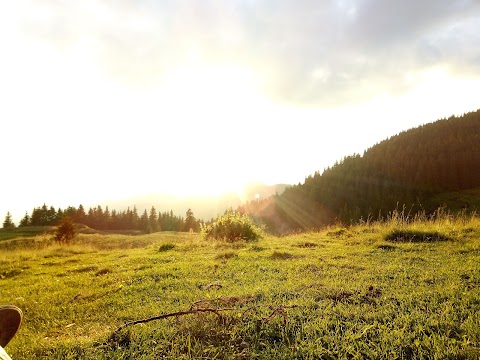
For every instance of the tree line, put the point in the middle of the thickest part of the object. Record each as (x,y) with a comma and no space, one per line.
(106,219)
(407,169)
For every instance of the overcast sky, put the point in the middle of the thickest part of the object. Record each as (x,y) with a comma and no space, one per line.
(108,99)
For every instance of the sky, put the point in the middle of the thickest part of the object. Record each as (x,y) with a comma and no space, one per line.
(103,100)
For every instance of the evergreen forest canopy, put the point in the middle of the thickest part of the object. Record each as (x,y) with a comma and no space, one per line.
(100,219)
(407,171)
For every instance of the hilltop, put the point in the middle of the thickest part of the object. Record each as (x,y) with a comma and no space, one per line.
(417,170)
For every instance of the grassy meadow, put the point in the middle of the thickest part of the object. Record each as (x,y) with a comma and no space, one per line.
(381,290)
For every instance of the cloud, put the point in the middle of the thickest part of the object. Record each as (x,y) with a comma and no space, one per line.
(322,53)
(365,48)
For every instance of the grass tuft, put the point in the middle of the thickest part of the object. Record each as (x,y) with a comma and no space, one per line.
(282,255)
(415,236)
(338,232)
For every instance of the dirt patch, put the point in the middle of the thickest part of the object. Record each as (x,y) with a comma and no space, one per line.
(257,248)
(306,245)
(226,256)
(386,247)
(103,272)
(367,296)
(8,274)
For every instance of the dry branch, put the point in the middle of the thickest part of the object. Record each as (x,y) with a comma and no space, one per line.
(279,310)
(164,316)
(213,285)
(226,301)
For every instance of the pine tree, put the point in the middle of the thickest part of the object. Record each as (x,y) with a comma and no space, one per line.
(59,216)
(25,221)
(80,215)
(190,222)
(135,218)
(44,219)
(144,223)
(8,223)
(152,219)
(100,218)
(107,219)
(51,216)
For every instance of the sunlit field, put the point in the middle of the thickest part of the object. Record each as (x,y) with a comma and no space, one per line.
(381,290)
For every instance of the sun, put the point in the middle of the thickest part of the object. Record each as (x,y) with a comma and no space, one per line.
(211,110)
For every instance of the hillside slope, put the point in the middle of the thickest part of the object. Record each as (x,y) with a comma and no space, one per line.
(411,170)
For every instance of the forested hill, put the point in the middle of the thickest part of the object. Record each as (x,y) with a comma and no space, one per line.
(407,169)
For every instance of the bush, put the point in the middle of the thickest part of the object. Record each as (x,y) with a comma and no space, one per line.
(65,231)
(232,227)
(166,247)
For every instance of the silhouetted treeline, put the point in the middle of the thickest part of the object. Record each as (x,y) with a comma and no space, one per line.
(106,219)
(404,170)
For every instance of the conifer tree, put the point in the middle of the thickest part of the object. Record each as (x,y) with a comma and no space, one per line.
(106,223)
(80,215)
(59,216)
(8,223)
(190,222)
(152,219)
(144,224)
(135,218)
(25,221)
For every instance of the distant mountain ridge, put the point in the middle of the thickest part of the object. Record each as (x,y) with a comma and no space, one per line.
(411,169)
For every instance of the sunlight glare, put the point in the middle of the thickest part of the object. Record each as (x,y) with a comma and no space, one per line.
(211,106)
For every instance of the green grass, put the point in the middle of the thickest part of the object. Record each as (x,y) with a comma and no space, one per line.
(28,231)
(337,293)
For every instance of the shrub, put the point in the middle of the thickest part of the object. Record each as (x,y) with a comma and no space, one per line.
(166,247)
(231,227)
(65,231)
